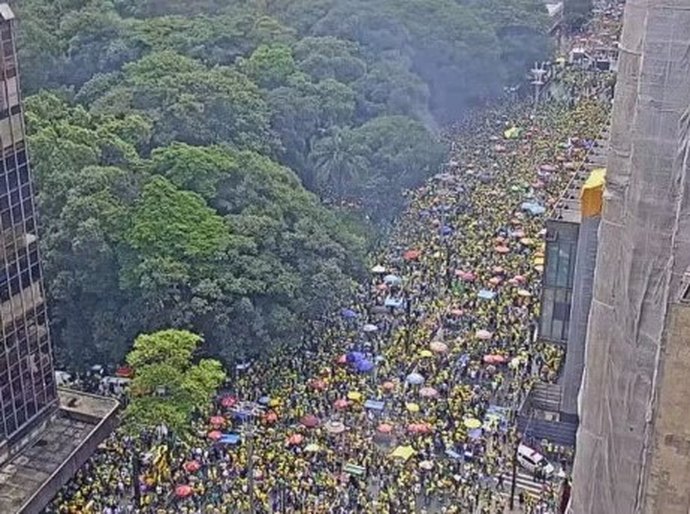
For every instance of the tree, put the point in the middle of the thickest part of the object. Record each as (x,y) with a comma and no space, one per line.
(270,66)
(168,386)
(337,163)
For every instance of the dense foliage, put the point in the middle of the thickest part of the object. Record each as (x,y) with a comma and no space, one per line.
(200,162)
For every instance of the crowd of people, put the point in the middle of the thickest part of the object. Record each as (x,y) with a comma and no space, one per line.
(404,400)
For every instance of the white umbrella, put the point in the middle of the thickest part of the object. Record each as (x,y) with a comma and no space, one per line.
(378,269)
(369,328)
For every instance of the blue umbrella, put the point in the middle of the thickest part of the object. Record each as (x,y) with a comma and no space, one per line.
(348,314)
(475,434)
(264,400)
(364,366)
(446,230)
(396,303)
(354,357)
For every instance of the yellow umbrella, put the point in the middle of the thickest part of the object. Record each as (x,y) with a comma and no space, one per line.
(312,448)
(273,402)
(539,261)
(472,423)
(426,353)
(412,407)
(403,452)
(354,396)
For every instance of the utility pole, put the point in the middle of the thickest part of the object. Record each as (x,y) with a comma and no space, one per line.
(513,480)
(249,410)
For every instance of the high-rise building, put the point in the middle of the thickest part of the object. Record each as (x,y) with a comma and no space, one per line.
(633,444)
(46,433)
(27,379)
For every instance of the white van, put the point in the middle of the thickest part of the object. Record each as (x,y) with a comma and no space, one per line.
(532,460)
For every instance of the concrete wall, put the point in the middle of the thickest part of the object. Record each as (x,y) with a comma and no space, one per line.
(668,482)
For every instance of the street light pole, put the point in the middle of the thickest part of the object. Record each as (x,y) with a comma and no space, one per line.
(250,464)
(513,481)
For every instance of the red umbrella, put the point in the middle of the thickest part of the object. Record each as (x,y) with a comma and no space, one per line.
(228,401)
(502,249)
(456,312)
(182,491)
(296,439)
(385,428)
(217,421)
(498,270)
(215,435)
(412,255)
(318,384)
(310,421)
(494,281)
(192,466)
(341,404)
(124,372)
(270,417)
(419,428)
(342,360)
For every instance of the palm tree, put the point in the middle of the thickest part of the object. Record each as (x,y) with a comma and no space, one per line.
(337,162)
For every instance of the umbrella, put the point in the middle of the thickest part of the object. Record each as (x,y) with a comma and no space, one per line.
(502,249)
(548,168)
(270,417)
(426,354)
(456,312)
(217,421)
(438,347)
(524,293)
(348,314)
(494,281)
(392,280)
(518,234)
(526,241)
(273,402)
(428,392)
(472,423)
(335,427)
(498,270)
(415,379)
(192,466)
(446,230)
(412,255)
(318,384)
(215,435)
(520,279)
(295,439)
(228,401)
(364,366)
(385,428)
(412,407)
(182,491)
(483,335)
(419,428)
(312,448)
(426,464)
(342,360)
(369,328)
(354,396)
(124,372)
(485,294)
(354,357)
(341,404)
(310,421)
(533,208)
(395,303)
(378,269)
(264,400)
(388,385)
(230,438)
(490,359)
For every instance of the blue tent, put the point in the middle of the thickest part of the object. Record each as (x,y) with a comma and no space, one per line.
(485,294)
(348,314)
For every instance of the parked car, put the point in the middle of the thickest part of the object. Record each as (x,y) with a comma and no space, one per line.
(532,461)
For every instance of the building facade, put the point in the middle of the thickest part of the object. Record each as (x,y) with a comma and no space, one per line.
(27,379)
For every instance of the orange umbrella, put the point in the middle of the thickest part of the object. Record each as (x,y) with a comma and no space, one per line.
(215,435)
(502,249)
(228,401)
(342,360)
(318,384)
(270,417)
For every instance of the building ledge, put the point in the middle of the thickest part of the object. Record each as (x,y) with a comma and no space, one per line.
(56,451)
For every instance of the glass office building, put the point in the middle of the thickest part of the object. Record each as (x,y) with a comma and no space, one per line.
(27,379)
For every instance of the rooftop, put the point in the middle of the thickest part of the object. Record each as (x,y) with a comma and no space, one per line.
(25,475)
(6,12)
